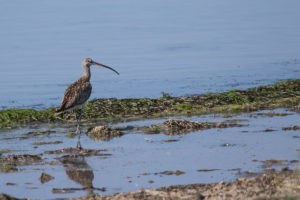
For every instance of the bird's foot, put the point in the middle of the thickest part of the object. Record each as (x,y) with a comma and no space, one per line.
(78,146)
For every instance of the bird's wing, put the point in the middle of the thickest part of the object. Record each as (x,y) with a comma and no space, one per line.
(76,94)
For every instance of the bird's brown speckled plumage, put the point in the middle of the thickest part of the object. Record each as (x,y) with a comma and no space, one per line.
(76,95)
(79,92)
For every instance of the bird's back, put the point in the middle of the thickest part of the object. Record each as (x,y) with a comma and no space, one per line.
(76,94)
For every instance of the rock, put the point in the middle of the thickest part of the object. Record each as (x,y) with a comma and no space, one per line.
(7,197)
(45,178)
(179,126)
(103,133)
(46,143)
(176,172)
(294,128)
(77,151)
(25,159)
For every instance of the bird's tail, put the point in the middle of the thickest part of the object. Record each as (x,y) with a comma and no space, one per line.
(59,111)
(63,109)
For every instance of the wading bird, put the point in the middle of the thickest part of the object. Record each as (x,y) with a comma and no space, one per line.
(79,92)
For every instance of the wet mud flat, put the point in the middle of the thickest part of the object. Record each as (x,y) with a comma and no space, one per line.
(152,156)
(130,144)
(282,184)
(276,185)
(285,94)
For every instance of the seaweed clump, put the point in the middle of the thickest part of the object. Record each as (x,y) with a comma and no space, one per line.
(178,126)
(45,178)
(285,94)
(294,128)
(9,163)
(77,151)
(13,117)
(103,133)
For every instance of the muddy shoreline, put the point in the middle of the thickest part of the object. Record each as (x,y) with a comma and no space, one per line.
(285,94)
(284,184)
(203,139)
(266,184)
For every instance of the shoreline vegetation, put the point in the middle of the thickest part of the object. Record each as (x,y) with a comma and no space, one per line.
(284,94)
(269,184)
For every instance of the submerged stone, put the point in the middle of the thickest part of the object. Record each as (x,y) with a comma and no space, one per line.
(294,128)
(271,114)
(82,152)
(269,130)
(6,167)
(207,170)
(9,163)
(71,135)
(24,159)
(46,143)
(39,132)
(8,197)
(45,178)
(176,172)
(179,126)
(103,133)
(274,162)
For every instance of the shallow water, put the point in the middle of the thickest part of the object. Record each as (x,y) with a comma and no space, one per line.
(131,161)
(168,46)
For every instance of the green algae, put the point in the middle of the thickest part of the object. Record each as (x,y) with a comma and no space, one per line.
(103,133)
(272,114)
(39,132)
(285,94)
(4,151)
(153,129)
(9,163)
(7,167)
(183,107)
(71,135)
(11,117)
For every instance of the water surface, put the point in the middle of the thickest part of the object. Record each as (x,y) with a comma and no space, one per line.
(177,47)
(136,160)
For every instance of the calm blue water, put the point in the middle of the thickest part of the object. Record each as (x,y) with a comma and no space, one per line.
(137,158)
(178,47)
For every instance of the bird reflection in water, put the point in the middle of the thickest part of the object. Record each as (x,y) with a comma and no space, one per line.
(79,171)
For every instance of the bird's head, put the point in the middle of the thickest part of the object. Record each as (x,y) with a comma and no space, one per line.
(88,62)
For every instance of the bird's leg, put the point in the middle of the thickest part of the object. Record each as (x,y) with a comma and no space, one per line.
(78,123)
(78,127)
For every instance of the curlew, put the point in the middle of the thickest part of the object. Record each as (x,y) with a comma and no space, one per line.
(79,92)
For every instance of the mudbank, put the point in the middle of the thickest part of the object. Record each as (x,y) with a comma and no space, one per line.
(178,126)
(283,94)
(276,185)
(157,153)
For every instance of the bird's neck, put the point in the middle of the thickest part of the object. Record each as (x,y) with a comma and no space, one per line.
(86,72)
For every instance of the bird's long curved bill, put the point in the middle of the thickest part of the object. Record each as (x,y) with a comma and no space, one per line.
(101,65)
